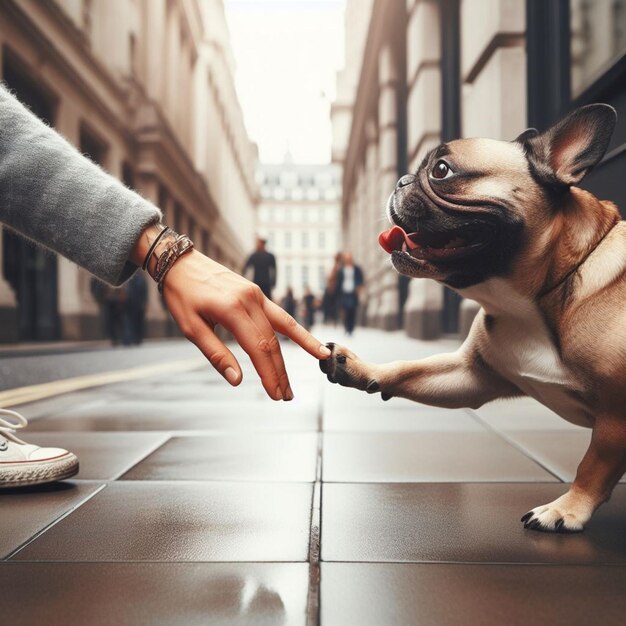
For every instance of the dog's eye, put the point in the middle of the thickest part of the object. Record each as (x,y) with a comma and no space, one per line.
(441,170)
(407,179)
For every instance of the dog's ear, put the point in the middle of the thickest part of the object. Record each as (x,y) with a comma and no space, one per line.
(563,154)
(529,133)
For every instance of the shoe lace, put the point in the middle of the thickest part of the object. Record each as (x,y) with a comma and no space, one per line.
(8,428)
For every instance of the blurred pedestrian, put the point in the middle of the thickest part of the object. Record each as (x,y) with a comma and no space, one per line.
(263,264)
(134,310)
(289,303)
(330,299)
(349,287)
(56,197)
(114,300)
(308,308)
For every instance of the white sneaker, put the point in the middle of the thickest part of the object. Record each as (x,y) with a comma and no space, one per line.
(23,464)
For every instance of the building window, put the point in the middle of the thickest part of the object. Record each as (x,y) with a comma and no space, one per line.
(305,239)
(206,238)
(288,274)
(92,146)
(321,240)
(305,276)
(178,217)
(288,240)
(321,273)
(270,240)
(598,32)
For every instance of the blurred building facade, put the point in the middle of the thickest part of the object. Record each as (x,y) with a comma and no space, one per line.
(435,70)
(144,88)
(300,214)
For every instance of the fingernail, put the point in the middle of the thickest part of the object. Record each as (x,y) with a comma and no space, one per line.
(279,393)
(231,376)
(324,351)
(289,394)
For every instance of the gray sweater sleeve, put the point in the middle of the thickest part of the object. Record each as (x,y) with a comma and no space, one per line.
(53,195)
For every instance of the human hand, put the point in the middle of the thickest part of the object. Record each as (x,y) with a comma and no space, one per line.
(200,293)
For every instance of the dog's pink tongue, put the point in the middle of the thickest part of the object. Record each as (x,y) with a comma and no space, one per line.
(393,239)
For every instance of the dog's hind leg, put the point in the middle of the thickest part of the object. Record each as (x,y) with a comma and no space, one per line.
(601,468)
(456,380)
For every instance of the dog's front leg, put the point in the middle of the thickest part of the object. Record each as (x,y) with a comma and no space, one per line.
(459,379)
(602,466)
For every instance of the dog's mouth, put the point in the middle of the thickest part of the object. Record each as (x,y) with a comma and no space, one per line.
(440,246)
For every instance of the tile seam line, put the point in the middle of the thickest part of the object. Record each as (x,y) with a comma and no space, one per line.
(165,562)
(164,439)
(54,522)
(512,443)
(613,564)
(313,608)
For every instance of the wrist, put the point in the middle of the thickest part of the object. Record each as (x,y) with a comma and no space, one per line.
(145,241)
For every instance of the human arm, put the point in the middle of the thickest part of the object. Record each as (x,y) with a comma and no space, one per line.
(53,195)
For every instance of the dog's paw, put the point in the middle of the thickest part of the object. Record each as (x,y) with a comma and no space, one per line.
(345,368)
(567,514)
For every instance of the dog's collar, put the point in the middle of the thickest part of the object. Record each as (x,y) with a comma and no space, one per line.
(545,292)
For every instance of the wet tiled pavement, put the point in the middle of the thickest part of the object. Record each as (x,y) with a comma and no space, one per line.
(200,504)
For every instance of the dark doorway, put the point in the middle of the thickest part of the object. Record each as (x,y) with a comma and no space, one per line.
(31,271)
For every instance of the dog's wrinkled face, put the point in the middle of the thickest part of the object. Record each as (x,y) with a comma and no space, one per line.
(463,211)
(476,205)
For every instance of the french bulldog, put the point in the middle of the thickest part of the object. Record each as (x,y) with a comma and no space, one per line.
(504,224)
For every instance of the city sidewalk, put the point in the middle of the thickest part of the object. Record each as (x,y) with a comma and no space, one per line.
(201,504)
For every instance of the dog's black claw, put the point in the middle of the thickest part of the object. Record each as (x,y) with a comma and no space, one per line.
(535,525)
(385,396)
(330,345)
(341,358)
(372,386)
(526,516)
(559,524)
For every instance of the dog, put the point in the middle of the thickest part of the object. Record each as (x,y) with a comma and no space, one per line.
(504,224)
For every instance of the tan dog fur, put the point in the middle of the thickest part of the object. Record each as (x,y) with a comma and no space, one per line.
(552,326)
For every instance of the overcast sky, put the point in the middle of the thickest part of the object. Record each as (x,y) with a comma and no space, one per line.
(287,53)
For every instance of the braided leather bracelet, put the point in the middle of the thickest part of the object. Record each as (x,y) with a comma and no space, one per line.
(181,245)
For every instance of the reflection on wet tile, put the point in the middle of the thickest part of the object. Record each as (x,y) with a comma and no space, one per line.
(102,456)
(522,414)
(426,456)
(100,594)
(26,511)
(461,522)
(145,414)
(146,521)
(490,595)
(260,457)
(399,419)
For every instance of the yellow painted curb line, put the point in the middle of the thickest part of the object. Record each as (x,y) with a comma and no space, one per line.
(31,393)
